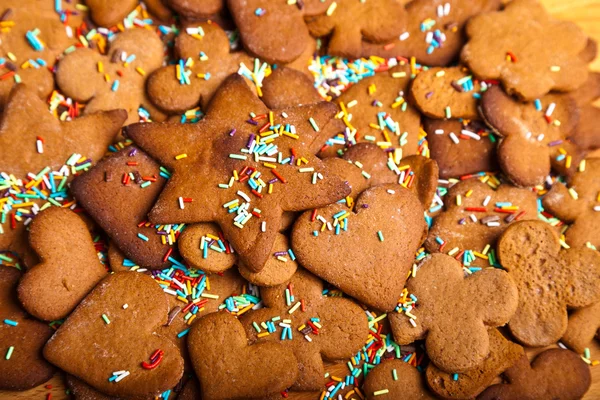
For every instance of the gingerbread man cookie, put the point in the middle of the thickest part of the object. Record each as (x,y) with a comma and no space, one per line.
(395,379)
(582,328)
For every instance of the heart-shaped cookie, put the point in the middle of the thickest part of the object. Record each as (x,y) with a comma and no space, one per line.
(110,340)
(222,360)
(53,288)
(366,253)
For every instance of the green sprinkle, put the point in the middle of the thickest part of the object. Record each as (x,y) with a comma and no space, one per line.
(448,112)
(395,374)
(9,352)
(237,157)
(146,184)
(314,124)
(105,318)
(380,235)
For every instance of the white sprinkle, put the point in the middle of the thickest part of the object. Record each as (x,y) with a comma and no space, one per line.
(412,322)
(486,201)
(540,137)
(453,137)
(404,36)
(125,306)
(493,223)
(439,131)
(470,134)
(263,226)
(181,203)
(550,109)
(440,11)
(243,195)
(284,115)
(390,191)
(40,146)
(447,9)
(122,376)
(307,338)
(596,208)
(473,218)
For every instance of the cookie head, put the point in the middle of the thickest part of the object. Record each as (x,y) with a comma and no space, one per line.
(527,50)
(220,353)
(443,307)
(549,280)
(395,379)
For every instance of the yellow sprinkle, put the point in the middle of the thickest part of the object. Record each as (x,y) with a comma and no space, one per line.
(440,73)
(11,56)
(573,193)
(568,162)
(469,193)
(399,74)
(261,335)
(582,166)
(180,156)
(140,71)
(331,9)
(100,67)
(372,89)
(458,200)
(380,392)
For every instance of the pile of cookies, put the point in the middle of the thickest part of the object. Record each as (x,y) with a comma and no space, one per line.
(303,199)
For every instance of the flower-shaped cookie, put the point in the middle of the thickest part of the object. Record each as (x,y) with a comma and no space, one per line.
(349,21)
(533,135)
(242,166)
(376,110)
(475,216)
(275,31)
(434,32)
(454,326)
(550,280)
(114,80)
(530,52)
(123,309)
(366,250)
(21,339)
(578,204)
(29,47)
(554,374)
(298,316)
(51,289)
(205,61)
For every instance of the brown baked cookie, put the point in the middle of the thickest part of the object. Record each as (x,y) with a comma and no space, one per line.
(19,133)
(116,79)
(526,49)
(119,352)
(365,165)
(107,13)
(30,42)
(313,326)
(434,32)
(21,339)
(213,161)
(585,135)
(458,153)
(205,61)
(357,249)
(554,374)
(549,279)
(395,379)
(274,31)
(578,204)
(222,358)
(82,391)
(69,267)
(475,216)
(190,391)
(503,355)
(533,135)
(376,110)
(444,308)
(196,8)
(204,247)
(582,328)
(118,193)
(446,93)
(349,22)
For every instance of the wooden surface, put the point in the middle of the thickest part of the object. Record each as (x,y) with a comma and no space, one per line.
(586,13)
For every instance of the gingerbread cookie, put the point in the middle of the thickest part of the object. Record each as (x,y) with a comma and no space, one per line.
(191,390)
(376,110)
(554,374)
(82,391)
(205,61)
(21,339)
(549,279)
(468,385)
(69,267)
(577,204)
(434,33)
(443,307)
(118,193)
(365,165)
(395,379)
(124,308)
(30,42)
(349,22)
(358,249)
(460,147)
(535,132)
(106,13)
(319,327)
(526,49)
(203,246)
(116,79)
(475,216)
(446,93)
(585,135)
(222,170)
(197,8)
(220,353)
(274,31)
(582,328)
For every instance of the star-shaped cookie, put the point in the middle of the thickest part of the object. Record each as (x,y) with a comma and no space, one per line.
(242,166)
